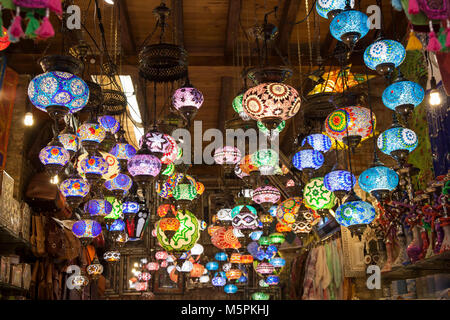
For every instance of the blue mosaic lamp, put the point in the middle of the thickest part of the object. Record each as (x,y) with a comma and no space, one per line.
(328,9)
(318,142)
(339,181)
(398,142)
(123,151)
(58,93)
(130,207)
(98,207)
(93,167)
(355,214)
(109,124)
(221,256)
(378,181)
(384,56)
(54,157)
(349,26)
(117,226)
(277,262)
(74,189)
(403,96)
(119,185)
(69,140)
(273,280)
(218,281)
(308,159)
(230,288)
(86,230)
(212,266)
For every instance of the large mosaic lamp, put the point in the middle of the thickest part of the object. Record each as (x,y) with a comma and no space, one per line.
(349,26)
(74,189)
(187,100)
(340,182)
(86,230)
(384,55)
(119,185)
(157,142)
(144,166)
(378,181)
(308,159)
(91,134)
(266,196)
(271,103)
(98,207)
(54,157)
(328,9)
(245,221)
(58,93)
(403,96)
(266,160)
(355,214)
(398,142)
(318,197)
(93,167)
(350,125)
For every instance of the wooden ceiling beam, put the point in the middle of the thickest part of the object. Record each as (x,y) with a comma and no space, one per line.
(286,24)
(226,98)
(234,11)
(178,21)
(126,34)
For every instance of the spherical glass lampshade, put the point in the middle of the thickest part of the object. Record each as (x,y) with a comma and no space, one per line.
(225,238)
(403,93)
(301,227)
(152,266)
(276,238)
(265,268)
(230,288)
(187,97)
(233,274)
(384,54)
(317,196)
(355,118)
(397,138)
(95,269)
(144,165)
(278,262)
(224,214)
(212,266)
(74,187)
(118,225)
(184,191)
(269,101)
(69,141)
(85,166)
(265,160)
(109,124)
(54,156)
(121,183)
(272,280)
(308,159)
(91,132)
(93,165)
(339,180)
(238,209)
(260,296)
(157,142)
(221,256)
(287,210)
(130,207)
(325,8)
(354,213)
(245,220)
(58,89)
(98,207)
(266,194)
(86,228)
(227,155)
(218,281)
(318,142)
(349,23)
(123,151)
(235,258)
(378,178)
(161,255)
(273,132)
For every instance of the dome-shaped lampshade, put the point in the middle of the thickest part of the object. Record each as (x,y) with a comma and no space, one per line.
(98,207)
(329,8)
(237,106)
(265,160)
(227,155)
(144,165)
(308,159)
(238,209)
(301,227)
(109,124)
(403,96)
(318,142)
(69,141)
(58,92)
(349,26)
(384,55)
(120,184)
(93,167)
(86,229)
(118,226)
(187,97)
(123,151)
(74,189)
(317,196)
(245,220)
(339,180)
(266,194)
(54,158)
(271,103)
(398,142)
(378,178)
(355,213)
(356,119)
(218,281)
(91,135)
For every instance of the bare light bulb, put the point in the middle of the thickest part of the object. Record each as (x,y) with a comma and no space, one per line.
(28,119)
(54,179)
(435,98)
(109,1)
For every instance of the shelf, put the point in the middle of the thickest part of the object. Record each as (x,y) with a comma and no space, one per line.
(7,286)
(10,241)
(439,263)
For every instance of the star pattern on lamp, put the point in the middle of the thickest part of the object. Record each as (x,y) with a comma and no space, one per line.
(157,141)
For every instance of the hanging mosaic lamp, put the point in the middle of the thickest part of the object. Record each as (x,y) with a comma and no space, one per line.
(264,268)
(245,220)
(349,26)
(123,151)
(317,196)
(86,230)
(384,55)
(403,96)
(301,228)
(74,189)
(93,167)
(98,207)
(224,215)
(109,124)
(187,100)
(265,160)
(4,39)
(308,159)
(260,296)
(398,142)
(355,119)
(212,266)
(266,196)
(69,140)
(378,181)
(355,214)
(54,157)
(236,210)
(165,209)
(95,269)
(144,166)
(119,185)
(271,133)
(58,93)
(111,256)
(273,280)
(130,208)
(157,142)
(271,103)
(328,9)
(339,181)
(117,226)
(91,134)
(288,210)
(276,238)
(218,281)
(184,194)
(230,288)
(227,155)
(237,106)
(169,225)
(318,142)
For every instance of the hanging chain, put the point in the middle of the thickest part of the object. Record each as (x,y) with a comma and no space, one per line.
(309,34)
(299,55)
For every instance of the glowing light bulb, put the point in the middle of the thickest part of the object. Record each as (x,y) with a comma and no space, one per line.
(54,180)
(28,119)
(109,1)
(435,98)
